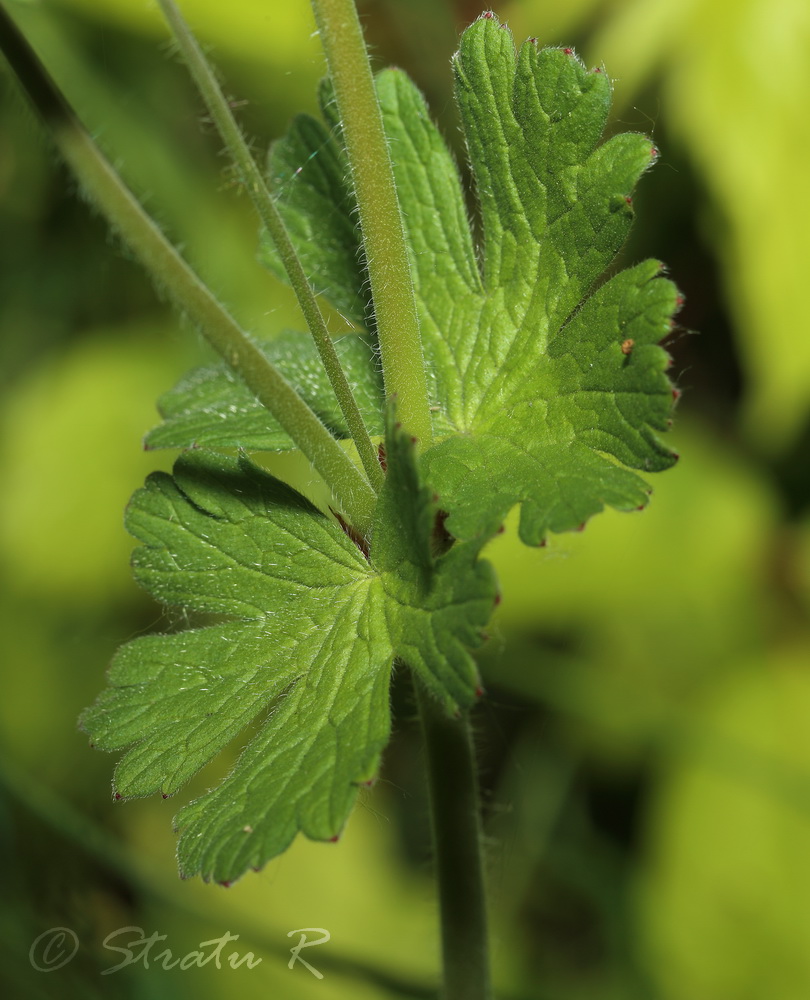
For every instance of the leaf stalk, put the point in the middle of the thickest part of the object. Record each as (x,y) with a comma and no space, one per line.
(259,194)
(379,213)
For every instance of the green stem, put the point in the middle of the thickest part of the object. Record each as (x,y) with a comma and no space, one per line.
(456,826)
(380,218)
(169,271)
(268,213)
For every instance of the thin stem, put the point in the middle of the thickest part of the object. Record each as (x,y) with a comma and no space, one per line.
(456,827)
(168,270)
(259,194)
(380,218)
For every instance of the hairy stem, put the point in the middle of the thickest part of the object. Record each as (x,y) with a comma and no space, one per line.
(105,189)
(259,194)
(380,218)
(456,826)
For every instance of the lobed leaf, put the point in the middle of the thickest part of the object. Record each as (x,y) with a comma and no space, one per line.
(549,391)
(315,628)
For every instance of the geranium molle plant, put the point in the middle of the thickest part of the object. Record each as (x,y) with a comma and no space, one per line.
(472,376)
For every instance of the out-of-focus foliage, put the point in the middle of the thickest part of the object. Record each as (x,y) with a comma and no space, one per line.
(280,34)
(729,873)
(100,388)
(645,747)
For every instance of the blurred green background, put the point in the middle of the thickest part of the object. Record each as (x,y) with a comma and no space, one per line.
(645,745)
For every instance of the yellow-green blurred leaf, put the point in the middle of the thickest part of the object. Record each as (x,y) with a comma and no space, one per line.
(282,33)
(71,449)
(725,900)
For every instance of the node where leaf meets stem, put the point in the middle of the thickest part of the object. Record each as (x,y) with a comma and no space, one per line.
(380,218)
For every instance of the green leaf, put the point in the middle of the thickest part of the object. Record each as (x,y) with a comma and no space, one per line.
(547,388)
(545,439)
(546,393)
(314,629)
(211,407)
